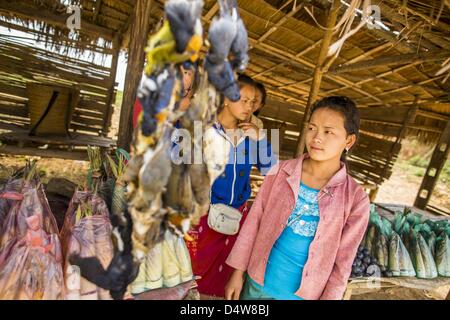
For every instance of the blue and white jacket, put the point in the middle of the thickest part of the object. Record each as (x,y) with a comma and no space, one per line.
(232,187)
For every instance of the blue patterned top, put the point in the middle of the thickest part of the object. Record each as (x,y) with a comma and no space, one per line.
(290,252)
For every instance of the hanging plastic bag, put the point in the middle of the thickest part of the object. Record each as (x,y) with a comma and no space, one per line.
(167,265)
(87,233)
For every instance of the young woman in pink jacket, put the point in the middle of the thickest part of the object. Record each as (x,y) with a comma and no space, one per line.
(308,219)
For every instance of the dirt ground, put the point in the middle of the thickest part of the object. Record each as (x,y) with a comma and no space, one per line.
(403,185)
(75,171)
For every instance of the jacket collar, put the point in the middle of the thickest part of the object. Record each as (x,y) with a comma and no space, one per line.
(294,170)
(221,130)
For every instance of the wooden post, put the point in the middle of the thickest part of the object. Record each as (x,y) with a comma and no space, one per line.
(113,71)
(409,119)
(317,78)
(136,56)
(392,60)
(437,162)
(373,194)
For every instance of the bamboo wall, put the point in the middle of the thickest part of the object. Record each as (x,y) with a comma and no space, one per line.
(21,63)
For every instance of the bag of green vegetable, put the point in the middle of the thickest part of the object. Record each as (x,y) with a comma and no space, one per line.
(442,256)
(421,255)
(370,235)
(380,249)
(429,236)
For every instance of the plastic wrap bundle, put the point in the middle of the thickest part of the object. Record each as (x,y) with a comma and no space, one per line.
(167,265)
(30,201)
(8,194)
(30,253)
(422,258)
(442,256)
(86,232)
(400,263)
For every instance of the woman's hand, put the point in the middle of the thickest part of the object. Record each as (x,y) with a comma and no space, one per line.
(234,286)
(250,130)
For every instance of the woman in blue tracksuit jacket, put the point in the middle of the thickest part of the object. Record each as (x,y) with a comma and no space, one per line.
(248,147)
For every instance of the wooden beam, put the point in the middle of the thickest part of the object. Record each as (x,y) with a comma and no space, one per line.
(318,73)
(435,166)
(279,23)
(404,22)
(111,95)
(136,56)
(296,59)
(401,46)
(369,53)
(211,12)
(98,4)
(291,58)
(45,153)
(301,53)
(432,115)
(409,119)
(31,11)
(392,60)
(406,87)
(379,76)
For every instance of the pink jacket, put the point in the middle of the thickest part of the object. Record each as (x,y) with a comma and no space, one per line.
(344,215)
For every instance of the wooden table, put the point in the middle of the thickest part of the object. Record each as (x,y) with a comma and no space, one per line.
(397,288)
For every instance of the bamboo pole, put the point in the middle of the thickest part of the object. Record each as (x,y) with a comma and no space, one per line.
(392,60)
(279,23)
(45,153)
(405,87)
(98,4)
(370,52)
(139,29)
(28,10)
(379,76)
(111,94)
(318,73)
(296,58)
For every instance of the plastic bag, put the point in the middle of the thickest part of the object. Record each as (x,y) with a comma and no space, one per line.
(422,258)
(166,265)
(86,232)
(179,292)
(442,256)
(33,270)
(400,263)
(33,202)
(9,193)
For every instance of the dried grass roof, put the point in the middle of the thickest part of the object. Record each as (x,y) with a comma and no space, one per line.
(285,42)
(383,70)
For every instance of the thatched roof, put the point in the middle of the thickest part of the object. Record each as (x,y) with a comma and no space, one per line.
(285,43)
(384,70)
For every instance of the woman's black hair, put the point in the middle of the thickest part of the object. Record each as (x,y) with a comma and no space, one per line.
(244,80)
(259,86)
(347,108)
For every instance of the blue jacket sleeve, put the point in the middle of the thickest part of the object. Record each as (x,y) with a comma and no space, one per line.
(265,158)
